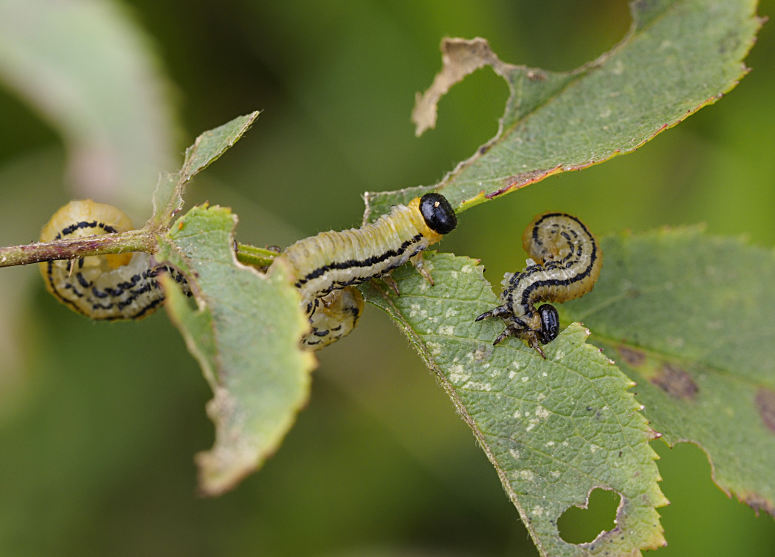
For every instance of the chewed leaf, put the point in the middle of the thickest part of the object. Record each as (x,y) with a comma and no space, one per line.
(678,56)
(553,429)
(459,59)
(688,317)
(245,334)
(208,147)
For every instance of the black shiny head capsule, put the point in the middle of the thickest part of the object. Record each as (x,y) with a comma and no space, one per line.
(438,213)
(550,323)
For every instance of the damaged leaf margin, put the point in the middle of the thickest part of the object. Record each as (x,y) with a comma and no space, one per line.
(549,449)
(696,345)
(678,56)
(208,147)
(244,331)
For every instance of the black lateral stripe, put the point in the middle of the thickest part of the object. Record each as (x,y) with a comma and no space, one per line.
(57,293)
(97,293)
(549,215)
(50,264)
(147,275)
(556,282)
(148,308)
(368,262)
(338,284)
(66,231)
(82,280)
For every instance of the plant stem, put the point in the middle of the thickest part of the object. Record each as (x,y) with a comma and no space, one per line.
(255,256)
(134,240)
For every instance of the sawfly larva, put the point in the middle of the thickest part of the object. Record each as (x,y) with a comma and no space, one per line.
(332,317)
(565,264)
(108,287)
(326,265)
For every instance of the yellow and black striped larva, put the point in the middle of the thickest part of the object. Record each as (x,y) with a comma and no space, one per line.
(326,266)
(108,287)
(332,317)
(565,264)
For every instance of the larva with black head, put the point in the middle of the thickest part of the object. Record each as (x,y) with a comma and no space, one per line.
(325,266)
(565,264)
(105,287)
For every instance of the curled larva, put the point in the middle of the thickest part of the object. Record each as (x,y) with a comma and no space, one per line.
(333,316)
(110,287)
(325,265)
(566,261)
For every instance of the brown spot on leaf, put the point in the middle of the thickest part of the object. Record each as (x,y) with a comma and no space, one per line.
(483,352)
(758,503)
(765,403)
(536,75)
(631,356)
(654,434)
(675,381)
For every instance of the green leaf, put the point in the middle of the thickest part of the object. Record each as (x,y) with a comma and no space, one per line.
(245,334)
(689,318)
(678,56)
(553,429)
(208,147)
(91,72)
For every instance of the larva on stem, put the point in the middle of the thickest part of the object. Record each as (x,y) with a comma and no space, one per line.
(325,266)
(566,264)
(106,287)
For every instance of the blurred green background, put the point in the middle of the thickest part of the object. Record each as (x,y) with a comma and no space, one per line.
(99,422)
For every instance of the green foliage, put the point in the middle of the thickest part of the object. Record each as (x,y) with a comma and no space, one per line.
(680,313)
(686,316)
(208,147)
(679,56)
(553,429)
(244,333)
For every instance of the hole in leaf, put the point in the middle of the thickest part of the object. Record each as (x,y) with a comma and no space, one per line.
(579,525)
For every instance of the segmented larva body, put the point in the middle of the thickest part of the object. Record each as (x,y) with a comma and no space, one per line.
(566,261)
(108,287)
(326,265)
(332,317)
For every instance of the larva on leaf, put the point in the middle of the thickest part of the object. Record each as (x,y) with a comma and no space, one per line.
(565,264)
(326,265)
(332,317)
(108,287)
